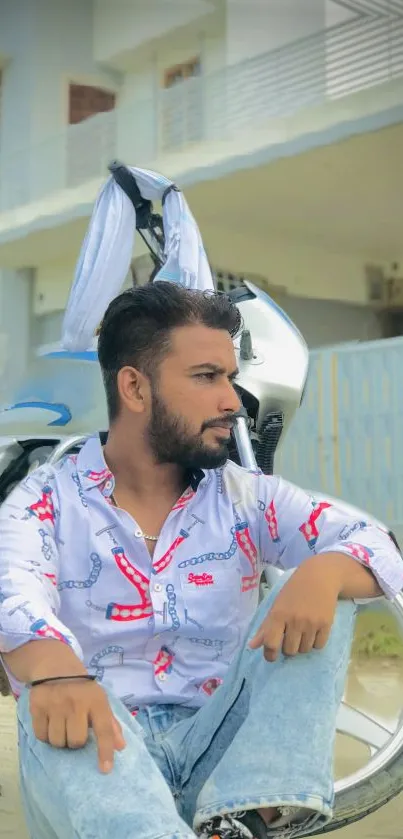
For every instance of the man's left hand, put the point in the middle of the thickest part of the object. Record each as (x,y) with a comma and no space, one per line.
(302,614)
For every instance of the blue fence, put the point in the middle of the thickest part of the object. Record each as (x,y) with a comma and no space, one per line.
(347,438)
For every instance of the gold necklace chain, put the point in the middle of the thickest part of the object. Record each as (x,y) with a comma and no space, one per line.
(143,535)
(149,538)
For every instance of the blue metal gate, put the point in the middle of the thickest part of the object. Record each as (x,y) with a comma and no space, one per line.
(347,438)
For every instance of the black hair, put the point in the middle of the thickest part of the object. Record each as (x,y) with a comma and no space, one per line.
(137,327)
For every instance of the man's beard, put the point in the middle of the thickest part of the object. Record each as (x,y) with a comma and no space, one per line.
(171,440)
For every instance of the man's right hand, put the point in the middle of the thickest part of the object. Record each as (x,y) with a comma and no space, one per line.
(64,712)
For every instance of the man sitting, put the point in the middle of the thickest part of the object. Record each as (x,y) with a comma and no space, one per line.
(157,697)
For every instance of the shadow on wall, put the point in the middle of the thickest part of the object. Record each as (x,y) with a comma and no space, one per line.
(327,322)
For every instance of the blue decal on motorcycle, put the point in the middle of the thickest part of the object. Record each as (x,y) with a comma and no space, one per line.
(84,355)
(64,415)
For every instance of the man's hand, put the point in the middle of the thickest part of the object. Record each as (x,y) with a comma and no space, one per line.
(303,612)
(63,712)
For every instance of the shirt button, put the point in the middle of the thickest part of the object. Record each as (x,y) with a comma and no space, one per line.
(162,677)
(108,485)
(138,534)
(158,587)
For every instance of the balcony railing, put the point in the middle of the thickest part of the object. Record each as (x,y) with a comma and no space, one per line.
(218,107)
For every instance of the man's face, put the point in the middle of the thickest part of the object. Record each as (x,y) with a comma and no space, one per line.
(193,399)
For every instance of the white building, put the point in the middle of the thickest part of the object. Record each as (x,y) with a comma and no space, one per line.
(282,119)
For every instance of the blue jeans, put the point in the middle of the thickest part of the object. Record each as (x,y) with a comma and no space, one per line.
(265,738)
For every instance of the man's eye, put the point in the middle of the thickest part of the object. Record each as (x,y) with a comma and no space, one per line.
(209,377)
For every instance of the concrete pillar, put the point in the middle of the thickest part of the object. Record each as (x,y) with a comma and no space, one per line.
(15,331)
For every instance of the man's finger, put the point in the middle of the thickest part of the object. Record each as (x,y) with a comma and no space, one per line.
(322,637)
(307,642)
(273,638)
(40,724)
(292,641)
(105,736)
(120,741)
(257,639)
(77,730)
(57,730)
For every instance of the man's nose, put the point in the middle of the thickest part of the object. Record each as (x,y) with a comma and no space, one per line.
(230,401)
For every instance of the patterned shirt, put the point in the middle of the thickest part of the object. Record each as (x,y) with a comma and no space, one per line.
(161,629)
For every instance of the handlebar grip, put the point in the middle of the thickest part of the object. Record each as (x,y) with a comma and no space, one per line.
(124,178)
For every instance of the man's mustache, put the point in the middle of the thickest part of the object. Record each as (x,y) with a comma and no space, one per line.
(221,422)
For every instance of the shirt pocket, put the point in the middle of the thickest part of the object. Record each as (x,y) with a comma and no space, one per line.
(212,596)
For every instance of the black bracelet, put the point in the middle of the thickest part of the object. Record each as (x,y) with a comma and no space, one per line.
(37,682)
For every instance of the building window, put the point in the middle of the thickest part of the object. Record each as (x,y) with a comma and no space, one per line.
(181,72)
(91,141)
(86,101)
(182,105)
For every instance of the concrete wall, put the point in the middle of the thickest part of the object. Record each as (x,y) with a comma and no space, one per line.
(47,44)
(302,269)
(15,324)
(50,290)
(321,321)
(140,114)
(257,26)
(324,323)
(254,26)
(335,14)
(18,89)
(373,55)
(52,284)
(234,97)
(63,54)
(123,26)
(304,272)
(46,329)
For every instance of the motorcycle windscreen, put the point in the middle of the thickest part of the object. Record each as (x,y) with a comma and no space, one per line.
(60,394)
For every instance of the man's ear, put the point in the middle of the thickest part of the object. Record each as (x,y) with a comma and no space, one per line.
(133,389)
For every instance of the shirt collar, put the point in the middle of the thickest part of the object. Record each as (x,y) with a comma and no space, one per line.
(195,478)
(92,468)
(94,472)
